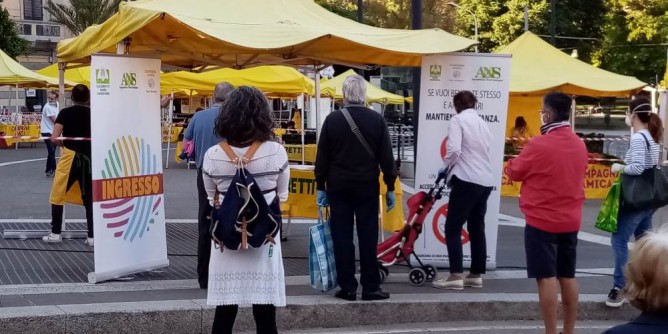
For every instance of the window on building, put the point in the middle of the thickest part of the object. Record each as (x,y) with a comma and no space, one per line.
(24,29)
(50,31)
(32,10)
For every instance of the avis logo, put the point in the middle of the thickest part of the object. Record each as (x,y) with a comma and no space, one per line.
(129,80)
(488,74)
(435,72)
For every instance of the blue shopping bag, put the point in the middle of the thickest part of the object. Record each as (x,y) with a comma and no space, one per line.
(321,255)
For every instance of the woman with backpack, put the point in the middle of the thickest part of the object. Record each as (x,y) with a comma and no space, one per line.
(239,275)
(643,154)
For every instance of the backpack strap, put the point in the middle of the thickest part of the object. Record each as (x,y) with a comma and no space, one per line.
(233,156)
(235,159)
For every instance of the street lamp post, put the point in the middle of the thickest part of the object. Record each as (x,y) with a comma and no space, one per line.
(475,21)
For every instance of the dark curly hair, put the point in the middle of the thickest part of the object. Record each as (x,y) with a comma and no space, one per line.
(245,117)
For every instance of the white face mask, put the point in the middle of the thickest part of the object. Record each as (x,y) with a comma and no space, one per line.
(628,122)
(542,119)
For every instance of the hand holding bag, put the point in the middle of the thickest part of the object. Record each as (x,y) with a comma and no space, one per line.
(607,216)
(322,267)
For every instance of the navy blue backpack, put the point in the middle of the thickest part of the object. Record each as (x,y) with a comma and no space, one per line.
(244,219)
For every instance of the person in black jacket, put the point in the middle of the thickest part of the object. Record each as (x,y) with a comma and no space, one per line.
(347,172)
(647,286)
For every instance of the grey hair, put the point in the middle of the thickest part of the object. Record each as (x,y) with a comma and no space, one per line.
(222,92)
(354,90)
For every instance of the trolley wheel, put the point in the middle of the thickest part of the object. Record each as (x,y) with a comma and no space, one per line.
(417,276)
(431,272)
(384,272)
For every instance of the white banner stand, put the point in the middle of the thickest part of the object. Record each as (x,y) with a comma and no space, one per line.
(128,199)
(488,77)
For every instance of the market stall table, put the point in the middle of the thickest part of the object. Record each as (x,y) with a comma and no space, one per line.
(31,130)
(301,201)
(295,153)
(176,131)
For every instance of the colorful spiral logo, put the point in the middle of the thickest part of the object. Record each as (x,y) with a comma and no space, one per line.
(132,165)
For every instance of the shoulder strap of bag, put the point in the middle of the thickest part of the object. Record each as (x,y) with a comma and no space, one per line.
(646,141)
(357,132)
(235,159)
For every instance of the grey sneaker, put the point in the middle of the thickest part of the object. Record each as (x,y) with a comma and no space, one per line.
(89,242)
(615,298)
(52,238)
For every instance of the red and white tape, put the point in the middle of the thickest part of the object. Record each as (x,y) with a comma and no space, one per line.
(590,159)
(43,138)
(584,139)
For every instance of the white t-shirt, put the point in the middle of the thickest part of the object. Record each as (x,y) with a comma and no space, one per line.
(47,112)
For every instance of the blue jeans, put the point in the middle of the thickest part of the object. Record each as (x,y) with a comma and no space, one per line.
(629,222)
(51,154)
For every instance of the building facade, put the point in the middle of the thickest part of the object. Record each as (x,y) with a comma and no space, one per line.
(33,24)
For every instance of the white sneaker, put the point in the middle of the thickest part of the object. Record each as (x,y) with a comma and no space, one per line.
(443,283)
(52,238)
(89,242)
(473,282)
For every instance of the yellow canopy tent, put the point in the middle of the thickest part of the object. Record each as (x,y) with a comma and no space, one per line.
(14,74)
(81,74)
(334,89)
(278,80)
(77,73)
(538,67)
(243,34)
(252,32)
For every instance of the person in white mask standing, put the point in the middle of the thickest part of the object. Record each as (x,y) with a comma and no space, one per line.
(643,154)
(49,114)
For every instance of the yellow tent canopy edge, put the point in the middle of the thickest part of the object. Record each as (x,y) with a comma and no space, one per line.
(538,67)
(253,32)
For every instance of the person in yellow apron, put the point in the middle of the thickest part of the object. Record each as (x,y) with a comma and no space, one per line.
(64,189)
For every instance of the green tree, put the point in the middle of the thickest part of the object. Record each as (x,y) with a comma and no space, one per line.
(10,41)
(502,21)
(394,13)
(81,14)
(635,36)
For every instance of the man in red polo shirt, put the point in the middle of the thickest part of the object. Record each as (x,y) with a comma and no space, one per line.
(552,170)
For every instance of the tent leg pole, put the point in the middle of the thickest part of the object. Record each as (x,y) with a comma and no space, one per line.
(61,83)
(317,106)
(573,114)
(18,113)
(304,129)
(169,129)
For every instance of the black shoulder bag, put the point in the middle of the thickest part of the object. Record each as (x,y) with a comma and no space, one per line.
(648,190)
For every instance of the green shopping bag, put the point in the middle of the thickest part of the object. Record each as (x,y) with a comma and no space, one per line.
(607,217)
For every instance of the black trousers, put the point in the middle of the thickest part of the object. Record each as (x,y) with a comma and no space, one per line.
(355,207)
(204,235)
(79,172)
(264,315)
(51,154)
(468,203)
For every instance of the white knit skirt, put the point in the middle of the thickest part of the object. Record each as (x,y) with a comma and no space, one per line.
(247,277)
